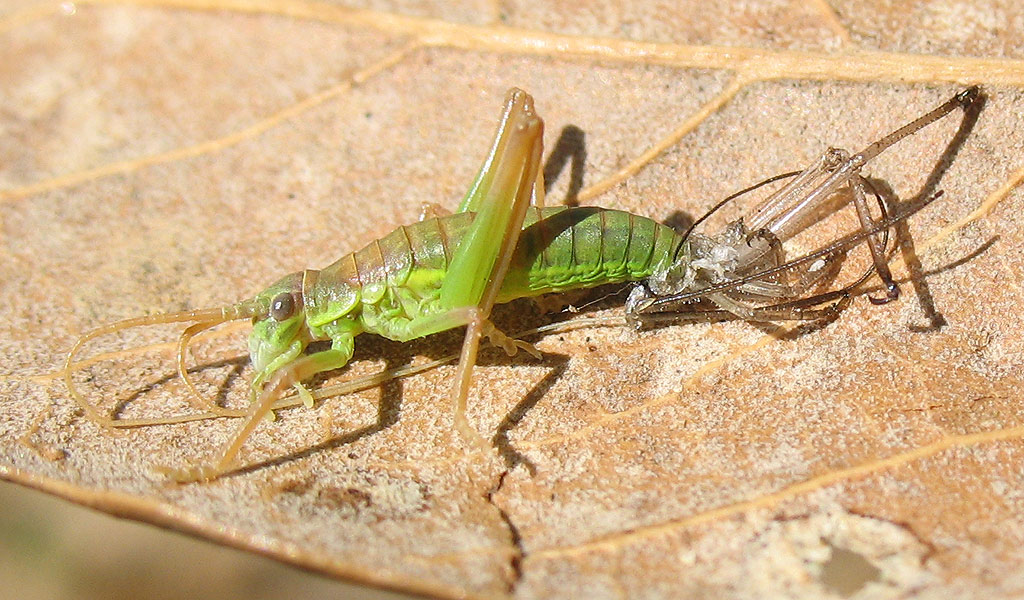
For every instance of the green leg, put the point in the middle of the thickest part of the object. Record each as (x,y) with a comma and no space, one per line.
(518,105)
(500,197)
(280,381)
(480,262)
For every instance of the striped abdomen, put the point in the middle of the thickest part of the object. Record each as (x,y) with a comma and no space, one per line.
(559,249)
(568,248)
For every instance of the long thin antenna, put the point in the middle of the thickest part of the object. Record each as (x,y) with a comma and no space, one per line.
(210,316)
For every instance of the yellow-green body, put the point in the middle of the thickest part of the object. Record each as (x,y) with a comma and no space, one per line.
(397,279)
(390,285)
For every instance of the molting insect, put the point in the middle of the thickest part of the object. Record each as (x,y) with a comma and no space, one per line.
(449,270)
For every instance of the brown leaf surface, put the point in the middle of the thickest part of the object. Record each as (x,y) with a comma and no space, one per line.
(160,155)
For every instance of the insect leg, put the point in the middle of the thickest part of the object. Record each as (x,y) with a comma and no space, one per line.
(518,105)
(805,309)
(482,258)
(875,243)
(779,212)
(507,343)
(795,206)
(263,402)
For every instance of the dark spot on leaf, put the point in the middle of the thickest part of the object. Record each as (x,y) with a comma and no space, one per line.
(846,572)
(338,498)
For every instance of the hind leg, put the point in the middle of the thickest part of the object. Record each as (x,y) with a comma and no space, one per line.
(500,197)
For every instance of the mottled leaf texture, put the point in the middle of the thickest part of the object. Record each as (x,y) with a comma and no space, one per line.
(171,154)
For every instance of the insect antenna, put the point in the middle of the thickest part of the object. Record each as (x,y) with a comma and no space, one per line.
(723,202)
(183,342)
(206,318)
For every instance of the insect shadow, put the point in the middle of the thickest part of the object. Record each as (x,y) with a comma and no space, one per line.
(570,147)
(237,366)
(903,238)
(392,391)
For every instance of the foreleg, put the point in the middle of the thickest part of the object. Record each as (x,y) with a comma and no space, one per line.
(276,385)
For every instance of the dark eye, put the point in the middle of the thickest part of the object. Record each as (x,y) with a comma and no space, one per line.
(282,307)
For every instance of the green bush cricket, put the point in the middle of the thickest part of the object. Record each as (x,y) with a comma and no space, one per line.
(449,270)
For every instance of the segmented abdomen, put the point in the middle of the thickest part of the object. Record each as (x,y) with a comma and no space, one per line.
(571,248)
(559,249)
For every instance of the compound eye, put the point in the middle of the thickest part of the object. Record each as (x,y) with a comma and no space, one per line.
(282,307)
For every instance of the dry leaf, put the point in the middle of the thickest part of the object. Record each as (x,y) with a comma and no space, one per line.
(161,155)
